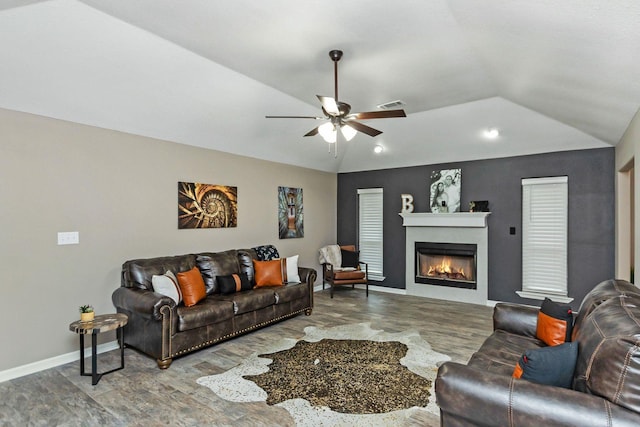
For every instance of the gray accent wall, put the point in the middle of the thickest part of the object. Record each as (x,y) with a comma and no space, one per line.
(591,214)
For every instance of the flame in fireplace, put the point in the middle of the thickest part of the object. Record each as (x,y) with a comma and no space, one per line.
(445,269)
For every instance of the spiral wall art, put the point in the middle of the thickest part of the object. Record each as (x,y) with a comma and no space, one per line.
(207,206)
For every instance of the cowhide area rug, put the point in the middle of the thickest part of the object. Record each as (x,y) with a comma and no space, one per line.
(344,375)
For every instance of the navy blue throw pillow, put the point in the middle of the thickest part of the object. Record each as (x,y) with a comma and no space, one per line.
(349,258)
(553,365)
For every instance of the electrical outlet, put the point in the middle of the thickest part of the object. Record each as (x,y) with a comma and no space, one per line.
(68,238)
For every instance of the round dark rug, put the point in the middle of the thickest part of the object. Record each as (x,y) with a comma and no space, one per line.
(348,376)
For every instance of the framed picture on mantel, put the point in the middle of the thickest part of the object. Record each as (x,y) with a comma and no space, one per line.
(444,194)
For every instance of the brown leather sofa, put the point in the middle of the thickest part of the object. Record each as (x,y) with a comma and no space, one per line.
(606,381)
(163,329)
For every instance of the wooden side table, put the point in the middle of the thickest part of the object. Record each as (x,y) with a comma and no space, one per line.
(101,323)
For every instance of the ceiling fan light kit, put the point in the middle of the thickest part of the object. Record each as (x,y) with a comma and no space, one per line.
(339,114)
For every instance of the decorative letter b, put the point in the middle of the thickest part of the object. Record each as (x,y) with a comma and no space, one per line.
(407,203)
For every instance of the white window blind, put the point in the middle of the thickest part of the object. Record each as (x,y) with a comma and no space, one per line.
(370,230)
(544,238)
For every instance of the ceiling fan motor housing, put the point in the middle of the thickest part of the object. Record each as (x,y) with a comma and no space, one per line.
(335,55)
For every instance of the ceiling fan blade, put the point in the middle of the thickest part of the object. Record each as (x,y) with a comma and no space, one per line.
(312,132)
(329,104)
(363,128)
(294,117)
(377,114)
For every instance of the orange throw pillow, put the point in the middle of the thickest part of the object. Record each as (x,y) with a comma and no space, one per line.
(267,273)
(192,286)
(555,322)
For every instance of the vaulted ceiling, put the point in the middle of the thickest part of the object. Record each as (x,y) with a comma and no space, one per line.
(550,75)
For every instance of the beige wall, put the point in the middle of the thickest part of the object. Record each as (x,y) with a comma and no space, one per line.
(627,199)
(120,192)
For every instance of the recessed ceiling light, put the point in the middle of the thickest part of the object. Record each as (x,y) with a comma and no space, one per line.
(491,133)
(378,149)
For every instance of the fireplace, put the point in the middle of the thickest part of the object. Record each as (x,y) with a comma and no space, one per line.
(446,264)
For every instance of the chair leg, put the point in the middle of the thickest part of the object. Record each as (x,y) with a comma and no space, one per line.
(331,289)
(367,287)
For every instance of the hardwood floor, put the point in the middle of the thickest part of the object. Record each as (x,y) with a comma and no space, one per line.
(143,395)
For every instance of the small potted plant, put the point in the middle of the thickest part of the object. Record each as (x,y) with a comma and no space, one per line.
(86,313)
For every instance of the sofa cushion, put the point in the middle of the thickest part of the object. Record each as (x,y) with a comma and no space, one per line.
(167,284)
(500,352)
(213,264)
(609,360)
(138,273)
(555,321)
(191,286)
(246,301)
(602,292)
(268,273)
(245,262)
(553,365)
(291,292)
(233,283)
(266,252)
(207,312)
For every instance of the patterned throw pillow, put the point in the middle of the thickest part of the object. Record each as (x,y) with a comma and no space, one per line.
(549,365)
(266,252)
(233,283)
(167,284)
(192,286)
(555,321)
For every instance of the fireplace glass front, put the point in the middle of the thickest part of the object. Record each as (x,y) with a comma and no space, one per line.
(446,264)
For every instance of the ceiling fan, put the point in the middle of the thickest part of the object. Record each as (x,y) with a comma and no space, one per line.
(339,114)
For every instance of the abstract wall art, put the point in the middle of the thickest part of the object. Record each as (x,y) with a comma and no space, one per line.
(207,206)
(290,213)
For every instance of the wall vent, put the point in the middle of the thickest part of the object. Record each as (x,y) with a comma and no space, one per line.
(392,105)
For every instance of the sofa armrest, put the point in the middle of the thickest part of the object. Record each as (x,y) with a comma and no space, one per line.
(141,301)
(484,398)
(307,275)
(516,318)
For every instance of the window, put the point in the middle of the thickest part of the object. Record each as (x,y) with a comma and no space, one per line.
(544,238)
(370,230)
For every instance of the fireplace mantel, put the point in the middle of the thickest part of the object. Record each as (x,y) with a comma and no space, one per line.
(458,219)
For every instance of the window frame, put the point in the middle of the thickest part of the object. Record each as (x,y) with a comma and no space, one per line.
(545,238)
(372,246)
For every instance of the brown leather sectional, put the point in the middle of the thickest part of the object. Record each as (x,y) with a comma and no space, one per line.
(164,330)
(606,383)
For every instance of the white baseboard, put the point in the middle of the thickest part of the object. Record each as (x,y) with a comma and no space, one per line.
(371,288)
(52,362)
